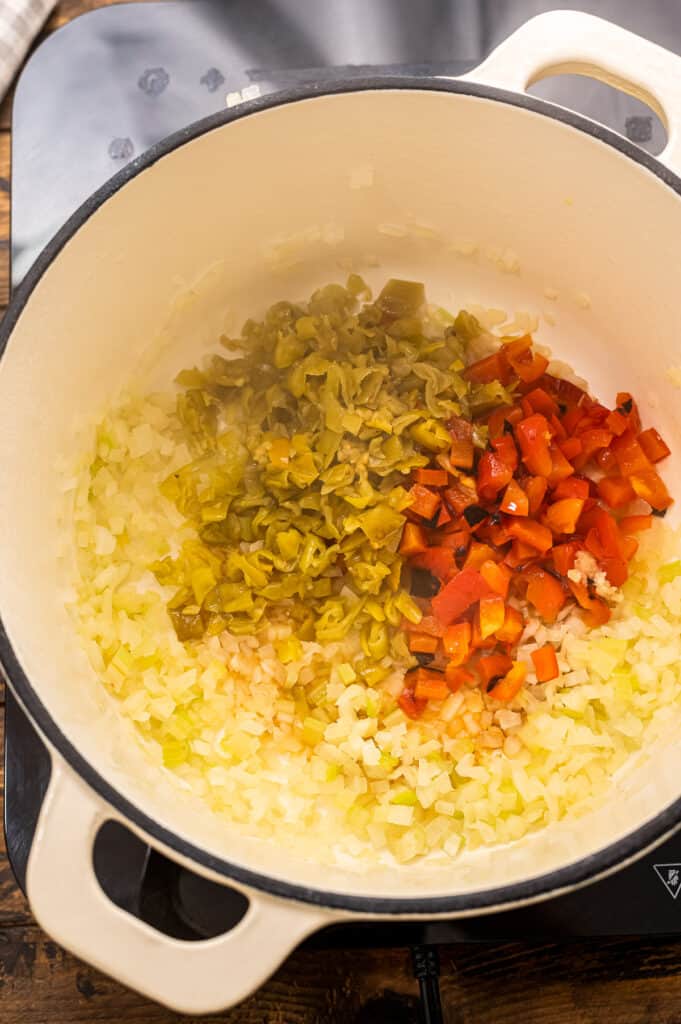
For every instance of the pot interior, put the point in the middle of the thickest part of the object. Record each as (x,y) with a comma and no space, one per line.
(484,201)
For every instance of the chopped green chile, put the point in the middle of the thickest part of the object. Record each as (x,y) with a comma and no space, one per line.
(303,438)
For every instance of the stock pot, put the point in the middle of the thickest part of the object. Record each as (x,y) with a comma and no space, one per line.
(483,192)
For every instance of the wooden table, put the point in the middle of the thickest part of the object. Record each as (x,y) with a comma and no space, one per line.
(623,981)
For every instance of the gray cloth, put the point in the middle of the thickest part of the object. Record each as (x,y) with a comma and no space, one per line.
(20,23)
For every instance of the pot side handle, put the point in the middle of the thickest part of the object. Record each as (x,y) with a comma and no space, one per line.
(569,42)
(189,977)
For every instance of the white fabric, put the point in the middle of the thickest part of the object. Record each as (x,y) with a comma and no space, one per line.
(20,22)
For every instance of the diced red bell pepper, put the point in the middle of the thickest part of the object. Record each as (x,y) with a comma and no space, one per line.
(561,469)
(616,423)
(627,407)
(605,460)
(608,534)
(493,475)
(557,430)
(571,447)
(460,495)
(572,487)
(534,437)
(413,540)
(412,707)
(650,486)
(529,366)
(422,643)
(457,642)
(635,524)
(630,455)
(565,392)
(457,596)
(564,556)
(507,688)
(497,576)
(545,663)
(431,477)
(515,501)
(629,547)
(439,561)
(615,491)
(443,517)
(546,594)
(491,615)
(596,612)
(461,454)
(562,516)
(492,367)
(456,540)
(519,554)
(497,534)
(616,570)
(571,419)
(428,685)
(428,624)
(477,554)
(505,448)
(460,428)
(510,414)
(512,629)
(652,444)
(535,488)
(534,534)
(540,401)
(593,441)
(491,666)
(457,677)
(424,503)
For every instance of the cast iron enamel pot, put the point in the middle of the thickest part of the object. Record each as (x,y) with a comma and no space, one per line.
(469,185)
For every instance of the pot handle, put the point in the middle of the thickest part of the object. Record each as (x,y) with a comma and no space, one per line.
(569,42)
(189,977)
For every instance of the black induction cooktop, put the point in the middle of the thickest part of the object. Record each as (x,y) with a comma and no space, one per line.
(100,92)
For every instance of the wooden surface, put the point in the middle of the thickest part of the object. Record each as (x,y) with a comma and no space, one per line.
(627,981)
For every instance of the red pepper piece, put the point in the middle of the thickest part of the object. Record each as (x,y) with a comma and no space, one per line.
(492,665)
(573,487)
(628,408)
(507,688)
(512,629)
(616,423)
(535,489)
(630,455)
(652,444)
(428,685)
(545,663)
(529,532)
(457,596)
(635,524)
(562,516)
(546,593)
(496,576)
(491,614)
(439,561)
(457,642)
(460,495)
(571,447)
(615,491)
(493,475)
(540,401)
(616,570)
(424,503)
(457,677)
(534,436)
(515,501)
(564,556)
(413,540)
(422,643)
(593,440)
(650,486)
(412,707)
(596,612)
(431,477)
(606,461)
(428,624)
(477,555)
(571,419)
(561,469)
(493,367)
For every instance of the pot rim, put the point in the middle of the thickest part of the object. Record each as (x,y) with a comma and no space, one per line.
(579,872)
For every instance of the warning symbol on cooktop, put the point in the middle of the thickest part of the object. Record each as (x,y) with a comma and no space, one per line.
(670,876)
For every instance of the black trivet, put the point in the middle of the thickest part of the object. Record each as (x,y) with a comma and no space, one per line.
(104,89)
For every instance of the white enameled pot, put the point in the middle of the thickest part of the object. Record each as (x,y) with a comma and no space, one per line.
(268,200)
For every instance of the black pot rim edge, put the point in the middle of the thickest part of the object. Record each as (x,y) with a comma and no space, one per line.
(578,873)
